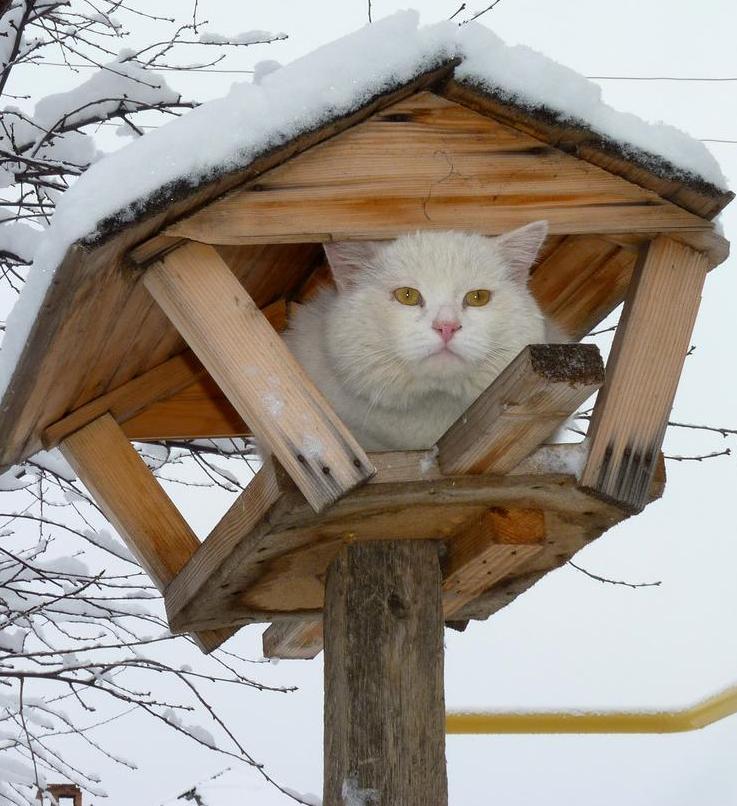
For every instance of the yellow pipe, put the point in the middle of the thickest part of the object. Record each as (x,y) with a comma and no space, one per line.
(710,710)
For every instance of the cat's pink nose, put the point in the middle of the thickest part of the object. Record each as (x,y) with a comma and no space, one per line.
(446,329)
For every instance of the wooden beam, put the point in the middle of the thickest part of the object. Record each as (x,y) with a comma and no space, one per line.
(532,397)
(136,505)
(384,700)
(294,639)
(631,412)
(257,373)
(494,547)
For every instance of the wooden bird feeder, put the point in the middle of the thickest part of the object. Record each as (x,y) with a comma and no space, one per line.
(167,327)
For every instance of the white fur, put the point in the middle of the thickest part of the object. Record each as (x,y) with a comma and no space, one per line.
(377,360)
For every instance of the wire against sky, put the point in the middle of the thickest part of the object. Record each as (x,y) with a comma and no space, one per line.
(593,78)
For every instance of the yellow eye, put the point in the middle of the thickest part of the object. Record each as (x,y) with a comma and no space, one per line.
(477,298)
(408,296)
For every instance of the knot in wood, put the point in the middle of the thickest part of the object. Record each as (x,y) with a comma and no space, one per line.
(397,606)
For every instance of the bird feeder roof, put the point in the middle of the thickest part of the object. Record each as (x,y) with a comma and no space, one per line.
(85,325)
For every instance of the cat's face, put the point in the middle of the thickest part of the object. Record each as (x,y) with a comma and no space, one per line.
(433,308)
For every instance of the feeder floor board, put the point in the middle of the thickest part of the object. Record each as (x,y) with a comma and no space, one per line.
(268,557)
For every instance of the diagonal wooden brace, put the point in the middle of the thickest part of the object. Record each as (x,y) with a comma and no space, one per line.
(135,503)
(532,397)
(257,373)
(645,363)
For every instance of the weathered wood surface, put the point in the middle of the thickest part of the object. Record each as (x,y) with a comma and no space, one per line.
(257,373)
(384,698)
(477,558)
(524,406)
(697,196)
(176,399)
(490,550)
(294,639)
(136,505)
(631,412)
(581,280)
(267,558)
(457,166)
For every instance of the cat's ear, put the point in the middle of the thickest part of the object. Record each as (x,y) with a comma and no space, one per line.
(347,259)
(519,247)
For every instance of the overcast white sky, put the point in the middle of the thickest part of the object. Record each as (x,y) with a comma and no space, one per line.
(570,642)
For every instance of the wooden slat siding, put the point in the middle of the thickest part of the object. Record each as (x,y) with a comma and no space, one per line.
(643,370)
(696,196)
(500,179)
(257,373)
(498,545)
(243,571)
(485,553)
(201,411)
(293,639)
(165,400)
(137,506)
(384,703)
(605,290)
(141,252)
(532,397)
(43,386)
(127,400)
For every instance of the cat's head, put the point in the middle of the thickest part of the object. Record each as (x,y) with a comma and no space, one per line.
(433,308)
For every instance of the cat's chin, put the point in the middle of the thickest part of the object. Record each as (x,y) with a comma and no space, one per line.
(445,362)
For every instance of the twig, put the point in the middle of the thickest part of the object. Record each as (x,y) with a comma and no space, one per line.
(700,457)
(481,13)
(614,581)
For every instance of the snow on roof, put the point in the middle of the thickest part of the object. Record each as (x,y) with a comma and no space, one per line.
(332,81)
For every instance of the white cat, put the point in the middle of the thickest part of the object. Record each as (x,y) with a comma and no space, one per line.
(418,328)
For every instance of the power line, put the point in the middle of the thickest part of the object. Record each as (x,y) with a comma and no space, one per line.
(593,78)
(663,78)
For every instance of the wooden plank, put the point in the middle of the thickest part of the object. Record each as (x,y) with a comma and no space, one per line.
(532,397)
(294,639)
(582,281)
(648,171)
(249,569)
(200,411)
(135,504)
(384,700)
(457,166)
(174,399)
(257,373)
(650,345)
(127,400)
(487,552)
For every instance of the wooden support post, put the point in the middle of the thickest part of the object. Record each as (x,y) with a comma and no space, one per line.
(257,373)
(384,701)
(644,367)
(532,397)
(136,505)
